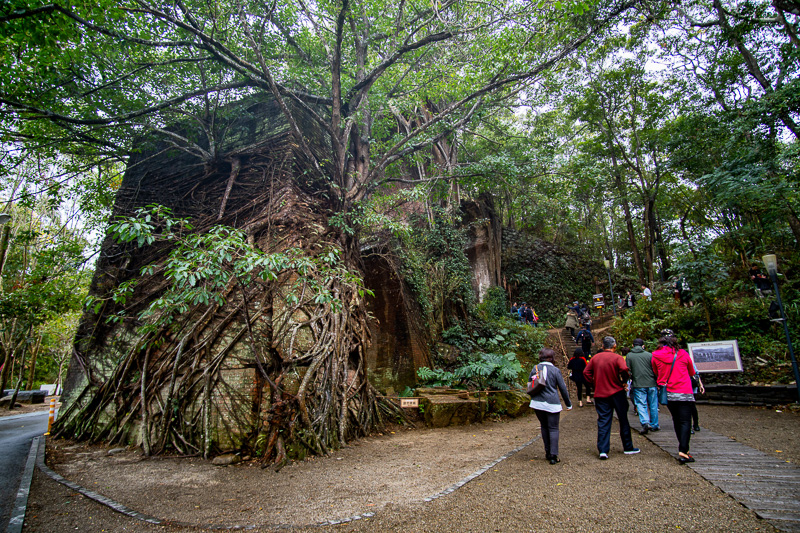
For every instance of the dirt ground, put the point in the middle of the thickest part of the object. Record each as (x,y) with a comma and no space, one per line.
(392,474)
(24,408)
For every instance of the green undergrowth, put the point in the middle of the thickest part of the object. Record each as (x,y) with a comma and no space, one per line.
(762,343)
(487,350)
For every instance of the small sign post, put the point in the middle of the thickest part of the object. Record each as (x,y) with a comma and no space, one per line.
(409,402)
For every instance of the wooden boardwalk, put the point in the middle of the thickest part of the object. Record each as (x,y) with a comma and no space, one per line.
(765,484)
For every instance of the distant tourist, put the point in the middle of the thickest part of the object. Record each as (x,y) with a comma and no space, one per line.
(571,323)
(576,366)
(630,301)
(534,317)
(673,367)
(546,404)
(607,371)
(646,292)
(760,280)
(643,386)
(529,315)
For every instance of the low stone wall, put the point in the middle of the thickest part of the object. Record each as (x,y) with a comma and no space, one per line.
(24,396)
(748,395)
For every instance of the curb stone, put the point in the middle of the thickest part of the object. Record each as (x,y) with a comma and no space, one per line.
(21,504)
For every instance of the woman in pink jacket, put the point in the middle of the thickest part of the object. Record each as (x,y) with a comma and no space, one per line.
(677,377)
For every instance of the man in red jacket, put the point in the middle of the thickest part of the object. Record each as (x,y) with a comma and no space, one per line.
(608,373)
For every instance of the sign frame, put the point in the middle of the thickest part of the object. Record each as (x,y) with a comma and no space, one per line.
(716,356)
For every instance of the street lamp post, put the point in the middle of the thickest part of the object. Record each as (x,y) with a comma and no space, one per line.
(613,302)
(771,262)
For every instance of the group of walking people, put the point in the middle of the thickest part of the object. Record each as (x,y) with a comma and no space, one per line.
(525,314)
(667,376)
(578,316)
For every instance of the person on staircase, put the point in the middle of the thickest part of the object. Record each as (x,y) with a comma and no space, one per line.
(585,339)
(576,366)
(572,323)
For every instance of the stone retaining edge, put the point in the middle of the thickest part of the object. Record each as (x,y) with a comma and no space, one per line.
(21,503)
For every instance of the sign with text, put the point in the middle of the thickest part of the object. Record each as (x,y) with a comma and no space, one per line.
(599,301)
(409,402)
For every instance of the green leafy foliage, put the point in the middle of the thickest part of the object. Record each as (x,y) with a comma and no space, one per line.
(762,343)
(434,265)
(483,371)
(201,266)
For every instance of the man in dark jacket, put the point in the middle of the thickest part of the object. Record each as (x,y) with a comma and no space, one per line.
(643,388)
(608,373)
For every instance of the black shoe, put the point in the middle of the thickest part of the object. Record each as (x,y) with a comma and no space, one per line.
(645,429)
(654,429)
(547,456)
(687,459)
(691,432)
(697,428)
(554,459)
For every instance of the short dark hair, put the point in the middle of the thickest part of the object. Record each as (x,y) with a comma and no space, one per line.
(547,354)
(638,342)
(578,352)
(609,342)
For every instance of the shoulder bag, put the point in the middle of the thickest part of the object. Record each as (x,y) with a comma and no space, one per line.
(539,381)
(662,389)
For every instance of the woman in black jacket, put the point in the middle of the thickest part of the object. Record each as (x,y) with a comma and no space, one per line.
(546,403)
(576,365)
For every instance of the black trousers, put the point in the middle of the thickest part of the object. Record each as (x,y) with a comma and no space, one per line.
(605,415)
(695,415)
(549,422)
(682,421)
(579,385)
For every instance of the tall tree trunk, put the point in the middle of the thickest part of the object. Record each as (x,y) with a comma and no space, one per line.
(666,266)
(623,193)
(650,237)
(794,224)
(6,370)
(606,240)
(626,209)
(34,357)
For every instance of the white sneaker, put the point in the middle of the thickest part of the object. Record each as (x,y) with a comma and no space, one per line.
(632,451)
(604,456)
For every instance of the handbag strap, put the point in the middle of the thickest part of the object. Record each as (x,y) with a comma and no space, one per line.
(670,368)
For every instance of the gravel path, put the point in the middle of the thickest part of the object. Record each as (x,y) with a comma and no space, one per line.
(390,476)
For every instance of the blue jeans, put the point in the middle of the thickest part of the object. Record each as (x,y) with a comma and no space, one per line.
(646,401)
(605,414)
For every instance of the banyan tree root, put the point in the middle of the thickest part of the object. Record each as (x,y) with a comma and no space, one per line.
(166,389)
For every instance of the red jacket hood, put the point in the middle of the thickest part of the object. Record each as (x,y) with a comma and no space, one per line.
(664,354)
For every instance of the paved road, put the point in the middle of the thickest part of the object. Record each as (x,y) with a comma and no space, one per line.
(16,434)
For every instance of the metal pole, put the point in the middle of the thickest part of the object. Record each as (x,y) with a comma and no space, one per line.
(786,331)
(613,302)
